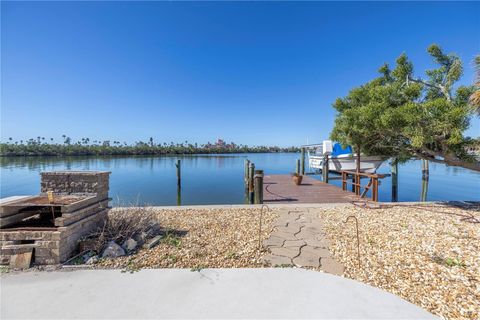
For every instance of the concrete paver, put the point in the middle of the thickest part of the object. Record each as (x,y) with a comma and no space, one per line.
(300,238)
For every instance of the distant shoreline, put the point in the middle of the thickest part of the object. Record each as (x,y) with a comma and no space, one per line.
(58,150)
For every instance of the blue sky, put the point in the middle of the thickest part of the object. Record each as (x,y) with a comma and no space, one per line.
(248,72)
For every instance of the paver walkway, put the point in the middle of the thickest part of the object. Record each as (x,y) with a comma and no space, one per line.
(299,240)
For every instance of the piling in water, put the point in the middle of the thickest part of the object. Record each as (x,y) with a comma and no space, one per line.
(258,187)
(425,169)
(425,178)
(245,173)
(179,182)
(179,173)
(251,170)
(325,168)
(179,196)
(394,172)
(302,161)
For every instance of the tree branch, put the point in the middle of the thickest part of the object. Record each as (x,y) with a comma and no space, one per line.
(440,87)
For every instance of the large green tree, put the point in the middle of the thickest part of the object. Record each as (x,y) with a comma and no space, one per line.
(402,116)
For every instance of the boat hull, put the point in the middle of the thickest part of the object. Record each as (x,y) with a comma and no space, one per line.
(368,164)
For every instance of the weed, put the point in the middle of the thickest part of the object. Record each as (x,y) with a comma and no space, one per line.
(172,239)
(449,262)
(173,258)
(231,255)
(131,267)
(198,268)
(284,265)
(371,241)
(452,262)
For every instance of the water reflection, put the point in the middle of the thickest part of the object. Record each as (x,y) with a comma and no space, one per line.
(218,179)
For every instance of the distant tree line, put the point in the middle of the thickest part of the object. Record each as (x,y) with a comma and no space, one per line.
(85,147)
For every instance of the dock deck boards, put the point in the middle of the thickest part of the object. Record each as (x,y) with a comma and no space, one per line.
(281,189)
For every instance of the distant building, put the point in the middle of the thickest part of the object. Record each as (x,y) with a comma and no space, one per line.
(220,143)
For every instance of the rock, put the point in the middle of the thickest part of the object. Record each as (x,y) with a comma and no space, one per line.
(139,239)
(154,230)
(153,242)
(129,245)
(92,260)
(113,250)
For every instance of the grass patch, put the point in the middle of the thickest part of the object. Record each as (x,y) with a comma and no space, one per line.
(172,239)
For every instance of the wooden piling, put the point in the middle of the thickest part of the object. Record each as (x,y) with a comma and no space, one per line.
(325,168)
(179,173)
(297,167)
(302,161)
(251,170)
(179,195)
(425,178)
(425,169)
(258,187)
(245,173)
(394,173)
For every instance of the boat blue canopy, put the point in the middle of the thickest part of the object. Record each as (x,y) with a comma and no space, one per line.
(339,150)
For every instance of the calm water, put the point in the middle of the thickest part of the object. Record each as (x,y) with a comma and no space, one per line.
(216,179)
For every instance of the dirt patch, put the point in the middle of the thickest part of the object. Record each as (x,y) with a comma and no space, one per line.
(428,255)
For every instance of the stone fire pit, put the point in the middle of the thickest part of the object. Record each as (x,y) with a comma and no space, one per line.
(46,231)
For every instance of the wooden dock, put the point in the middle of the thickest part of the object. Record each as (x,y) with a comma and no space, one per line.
(281,189)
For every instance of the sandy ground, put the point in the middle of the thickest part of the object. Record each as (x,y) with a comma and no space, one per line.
(428,255)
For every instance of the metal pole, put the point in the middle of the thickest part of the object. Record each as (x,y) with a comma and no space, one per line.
(258,187)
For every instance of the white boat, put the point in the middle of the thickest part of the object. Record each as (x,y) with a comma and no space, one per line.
(340,159)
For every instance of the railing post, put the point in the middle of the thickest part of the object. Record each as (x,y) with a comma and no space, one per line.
(344,181)
(258,187)
(375,189)
(353,182)
(358,181)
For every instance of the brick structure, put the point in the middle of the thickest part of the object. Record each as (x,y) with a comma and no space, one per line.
(76,182)
(51,230)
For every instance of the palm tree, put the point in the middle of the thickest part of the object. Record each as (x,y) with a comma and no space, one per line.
(475,97)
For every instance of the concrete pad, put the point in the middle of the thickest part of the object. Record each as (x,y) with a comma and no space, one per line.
(209,293)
